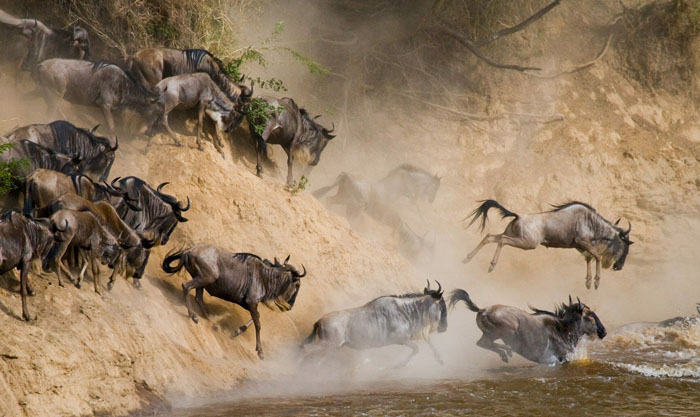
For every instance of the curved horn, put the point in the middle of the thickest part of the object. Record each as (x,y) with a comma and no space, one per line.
(240,80)
(629,229)
(116,144)
(570,300)
(580,306)
(304,274)
(148,243)
(428,287)
(327,133)
(187,207)
(618,221)
(287,259)
(94,129)
(277,261)
(111,184)
(160,187)
(439,290)
(318,116)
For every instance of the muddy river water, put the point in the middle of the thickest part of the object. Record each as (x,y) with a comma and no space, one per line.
(638,370)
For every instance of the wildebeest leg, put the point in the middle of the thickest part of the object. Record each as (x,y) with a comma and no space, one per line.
(199,297)
(588,271)
(200,116)
(290,162)
(518,242)
(588,247)
(488,343)
(414,352)
(256,321)
(436,353)
(486,240)
(168,129)
(107,112)
(218,142)
(30,291)
(243,328)
(23,285)
(95,273)
(113,276)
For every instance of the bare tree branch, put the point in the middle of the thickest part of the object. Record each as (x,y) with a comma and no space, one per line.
(520,26)
(580,66)
(473,49)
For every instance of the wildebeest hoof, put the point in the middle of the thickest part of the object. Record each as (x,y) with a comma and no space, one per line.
(110,285)
(30,292)
(78,285)
(597,283)
(195,319)
(492,267)
(588,283)
(466,260)
(28,318)
(261,355)
(504,358)
(136,284)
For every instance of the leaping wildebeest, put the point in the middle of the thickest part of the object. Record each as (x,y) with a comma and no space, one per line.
(542,336)
(99,84)
(291,127)
(95,153)
(384,321)
(23,240)
(571,225)
(188,91)
(241,278)
(151,65)
(42,42)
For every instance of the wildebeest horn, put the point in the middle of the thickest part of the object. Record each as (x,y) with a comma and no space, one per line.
(114,186)
(304,274)
(148,243)
(287,259)
(160,187)
(240,80)
(579,303)
(327,133)
(95,128)
(187,207)
(439,290)
(618,221)
(277,261)
(318,116)
(116,144)
(629,229)
(570,302)
(428,287)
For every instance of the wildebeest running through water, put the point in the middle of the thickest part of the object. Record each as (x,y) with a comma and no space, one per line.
(542,336)
(384,321)
(571,225)
(241,278)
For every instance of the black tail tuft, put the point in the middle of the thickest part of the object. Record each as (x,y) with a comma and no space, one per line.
(483,209)
(172,257)
(461,295)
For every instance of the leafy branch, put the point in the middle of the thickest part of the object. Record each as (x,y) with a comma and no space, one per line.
(259,112)
(8,179)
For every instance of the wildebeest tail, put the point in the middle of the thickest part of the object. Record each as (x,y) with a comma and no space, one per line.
(324,190)
(461,295)
(312,337)
(483,209)
(177,255)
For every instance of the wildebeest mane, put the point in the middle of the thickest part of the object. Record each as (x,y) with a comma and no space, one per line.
(64,133)
(242,256)
(560,207)
(133,85)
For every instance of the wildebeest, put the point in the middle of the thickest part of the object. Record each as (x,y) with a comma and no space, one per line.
(571,225)
(412,245)
(136,248)
(37,157)
(95,152)
(198,90)
(101,84)
(42,42)
(160,212)
(405,181)
(384,321)
(81,230)
(291,127)
(542,336)
(241,278)
(151,65)
(43,186)
(23,241)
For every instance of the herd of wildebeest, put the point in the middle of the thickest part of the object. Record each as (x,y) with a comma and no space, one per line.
(66,214)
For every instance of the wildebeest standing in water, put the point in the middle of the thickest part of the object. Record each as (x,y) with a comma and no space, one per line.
(241,278)
(384,321)
(293,129)
(100,84)
(151,65)
(95,152)
(542,336)
(198,90)
(40,42)
(571,225)
(23,241)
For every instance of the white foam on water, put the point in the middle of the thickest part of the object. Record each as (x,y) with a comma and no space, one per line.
(660,371)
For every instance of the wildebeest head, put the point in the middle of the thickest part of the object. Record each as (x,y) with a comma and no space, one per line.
(137,257)
(583,319)
(622,245)
(290,286)
(438,312)
(176,206)
(81,42)
(312,140)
